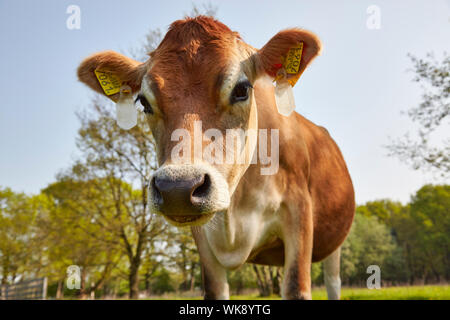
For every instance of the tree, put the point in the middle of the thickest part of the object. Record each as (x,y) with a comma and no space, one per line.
(162,282)
(242,278)
(430,211)
(114,205)
(369,243)
(17,232)
(420,231)
(384,210)
(393,215)
(184,256)
(206,9)
(73,238)
(432,113)
(268,279)
(153,260)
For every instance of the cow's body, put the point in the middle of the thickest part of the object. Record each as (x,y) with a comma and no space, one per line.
(204,72)
(312,176)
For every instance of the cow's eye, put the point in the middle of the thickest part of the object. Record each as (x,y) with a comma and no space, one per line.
(144,102)
(240,91)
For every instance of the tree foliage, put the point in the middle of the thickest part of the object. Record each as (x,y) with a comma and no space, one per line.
(17,233)
(431,114)
(420,232)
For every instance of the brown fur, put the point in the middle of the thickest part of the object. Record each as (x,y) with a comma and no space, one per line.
(130,71)
(279,45)
(311,165)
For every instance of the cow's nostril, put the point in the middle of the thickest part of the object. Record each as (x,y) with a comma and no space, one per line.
(175,196)
(203,190)
(157,197)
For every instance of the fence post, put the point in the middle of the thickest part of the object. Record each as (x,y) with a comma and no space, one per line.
(44,289)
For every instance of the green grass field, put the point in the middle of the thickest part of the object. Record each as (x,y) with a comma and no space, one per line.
(390,293)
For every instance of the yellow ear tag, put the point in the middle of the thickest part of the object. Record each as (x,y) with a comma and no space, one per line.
(109,81)
(292,63)
(286,78)
(126,112)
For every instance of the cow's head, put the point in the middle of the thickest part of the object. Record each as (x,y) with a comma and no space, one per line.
(199,82)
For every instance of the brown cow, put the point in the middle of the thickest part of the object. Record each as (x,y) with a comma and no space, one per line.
(204,73)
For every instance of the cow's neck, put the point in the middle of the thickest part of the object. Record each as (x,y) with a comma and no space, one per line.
(235,233)
(251,217)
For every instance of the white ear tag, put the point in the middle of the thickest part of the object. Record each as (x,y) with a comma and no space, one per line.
(284,97)
(126,113)
(287,76)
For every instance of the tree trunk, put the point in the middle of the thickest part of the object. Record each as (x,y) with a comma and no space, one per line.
(147,283)
(5,265)
(134,280)
(60,290)
(135,263)
(276,280)
(239,286)
(261,279)
(192,284)
(82,295)
(4,278)
(267,272)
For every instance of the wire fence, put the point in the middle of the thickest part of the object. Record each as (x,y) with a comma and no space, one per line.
(35,289)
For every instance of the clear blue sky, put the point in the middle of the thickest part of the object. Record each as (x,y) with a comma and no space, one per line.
(356,89)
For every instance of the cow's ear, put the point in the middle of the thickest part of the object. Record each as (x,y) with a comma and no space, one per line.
(105,72)
(295,46)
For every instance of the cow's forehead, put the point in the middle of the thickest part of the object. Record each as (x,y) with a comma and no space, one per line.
(194,59)
(198,58)
(194,62)
(194,49)
(195,31)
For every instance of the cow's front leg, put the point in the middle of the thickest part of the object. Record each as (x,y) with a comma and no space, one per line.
(215,284)
(214,275)
(298,241)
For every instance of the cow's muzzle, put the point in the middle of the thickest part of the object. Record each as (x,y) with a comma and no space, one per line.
(188,194)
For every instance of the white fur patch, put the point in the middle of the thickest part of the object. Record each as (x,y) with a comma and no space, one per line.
(148,92)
